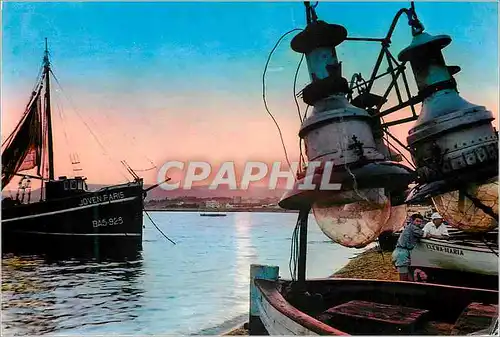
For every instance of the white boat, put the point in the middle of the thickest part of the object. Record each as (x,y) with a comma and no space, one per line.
(461,255)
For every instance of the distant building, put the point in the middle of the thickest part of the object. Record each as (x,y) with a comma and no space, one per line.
(212,204)
(237,200)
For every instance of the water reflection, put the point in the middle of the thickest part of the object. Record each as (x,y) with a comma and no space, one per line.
(42,296)
(54,249)
(198,284)
(245,255)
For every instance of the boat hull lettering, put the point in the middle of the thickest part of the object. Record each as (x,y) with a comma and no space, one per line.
(96,199)
(449,250)
(440,254)
(113,221)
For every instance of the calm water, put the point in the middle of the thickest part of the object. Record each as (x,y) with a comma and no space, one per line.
(191,287)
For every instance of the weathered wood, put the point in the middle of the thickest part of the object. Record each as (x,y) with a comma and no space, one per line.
(374,318)
(434,328)
(282,318)
(271,273)
(475,317)
(282,311)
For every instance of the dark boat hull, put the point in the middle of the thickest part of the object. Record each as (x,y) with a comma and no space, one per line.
(110,216)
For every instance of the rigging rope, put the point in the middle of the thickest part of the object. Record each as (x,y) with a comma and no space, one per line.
(264,91)
(301,141)
(386,131)
(44,170)
(301,156)
(86,124)
(295,86)
(489,247)
(38,77)
(130,139)
(147,214)
(66,138)
(294,252)
(36,88)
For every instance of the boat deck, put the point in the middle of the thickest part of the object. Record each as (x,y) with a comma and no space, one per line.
(363,317)
(374,307)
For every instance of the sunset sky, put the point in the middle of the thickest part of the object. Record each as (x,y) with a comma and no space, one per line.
(183,81)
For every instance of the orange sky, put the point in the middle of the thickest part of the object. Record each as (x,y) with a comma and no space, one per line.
(196,133)
(133,91)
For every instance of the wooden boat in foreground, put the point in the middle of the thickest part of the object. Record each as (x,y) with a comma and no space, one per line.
(360,307)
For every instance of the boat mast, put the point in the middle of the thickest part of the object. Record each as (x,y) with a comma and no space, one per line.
(46,70)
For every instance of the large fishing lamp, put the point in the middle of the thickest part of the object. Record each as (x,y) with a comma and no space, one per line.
(340,145)
(453,143)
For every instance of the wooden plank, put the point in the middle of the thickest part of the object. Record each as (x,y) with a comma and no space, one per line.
(475,317)
(374,318)
(257,271)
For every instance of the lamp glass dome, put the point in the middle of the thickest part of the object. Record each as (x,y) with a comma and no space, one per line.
(355,224)
(460,211)
(397,218)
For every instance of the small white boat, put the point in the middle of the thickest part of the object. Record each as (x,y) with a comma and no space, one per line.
(213,214)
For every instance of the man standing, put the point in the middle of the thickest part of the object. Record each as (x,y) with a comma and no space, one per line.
(401,257)
(435,228)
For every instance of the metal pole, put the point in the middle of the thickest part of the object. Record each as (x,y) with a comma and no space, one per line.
(48,113)
(303,217)
(365,39)
(413,100)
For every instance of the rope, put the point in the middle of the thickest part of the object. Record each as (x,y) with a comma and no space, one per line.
(489,247)
(386,131)
(264,92)
(301,156)
(86,124)
(295,86)
(477,203)
(146,212)
(294,252)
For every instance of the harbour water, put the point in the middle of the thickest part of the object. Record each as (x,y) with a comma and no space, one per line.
(198,286)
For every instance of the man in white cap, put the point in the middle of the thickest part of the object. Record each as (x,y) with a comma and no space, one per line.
(435,228)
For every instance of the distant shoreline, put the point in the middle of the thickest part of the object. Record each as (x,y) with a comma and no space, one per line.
(222,210)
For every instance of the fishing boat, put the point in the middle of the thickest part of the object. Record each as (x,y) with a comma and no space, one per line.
(459,262)
(462,255)
(67,212)
(463,258)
